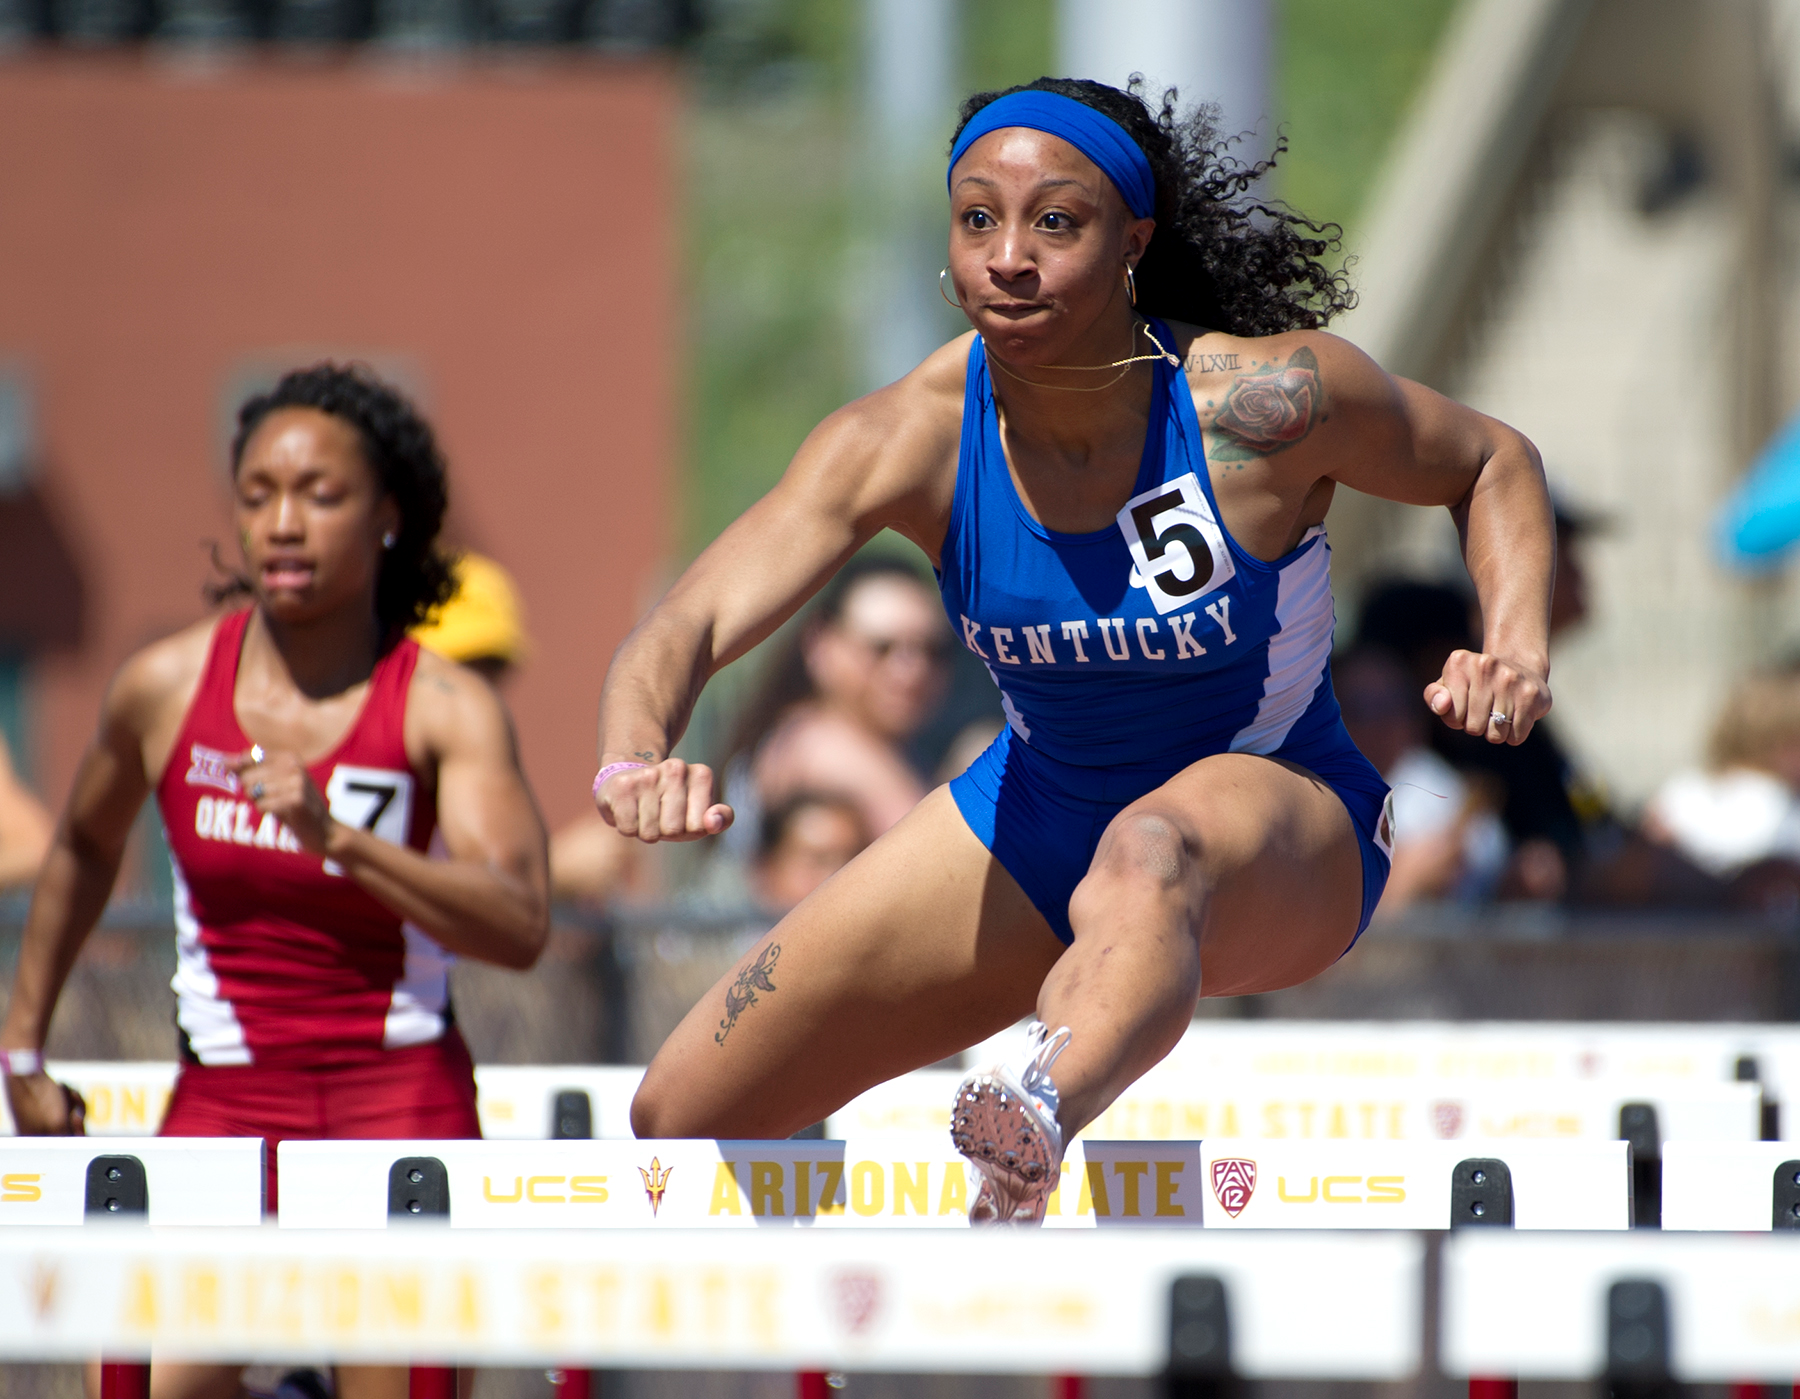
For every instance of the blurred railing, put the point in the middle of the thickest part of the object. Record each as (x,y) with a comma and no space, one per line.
(612,985)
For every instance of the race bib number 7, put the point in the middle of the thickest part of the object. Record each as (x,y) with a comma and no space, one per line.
(1177,549)
(376,800)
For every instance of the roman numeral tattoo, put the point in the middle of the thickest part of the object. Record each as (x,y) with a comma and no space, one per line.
(1199,363)
(1268,412)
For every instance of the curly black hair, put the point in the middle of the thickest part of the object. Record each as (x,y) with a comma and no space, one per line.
(400,448)
(1218,259)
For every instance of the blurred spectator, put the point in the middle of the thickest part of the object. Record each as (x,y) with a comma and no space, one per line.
(1567,842)
(1448,844)
(837,706)
(483,627)
(25,827)
(803,842)
(1743,809)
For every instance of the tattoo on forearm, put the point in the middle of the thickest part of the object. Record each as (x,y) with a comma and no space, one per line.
(741,994)
(1270,411)
(1199,363)
(646,755)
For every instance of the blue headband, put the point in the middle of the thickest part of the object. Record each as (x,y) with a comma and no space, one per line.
(1098,137)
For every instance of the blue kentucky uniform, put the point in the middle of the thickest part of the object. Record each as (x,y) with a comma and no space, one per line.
(1125,655)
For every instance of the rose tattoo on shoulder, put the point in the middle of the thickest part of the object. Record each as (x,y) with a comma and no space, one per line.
(1268,412)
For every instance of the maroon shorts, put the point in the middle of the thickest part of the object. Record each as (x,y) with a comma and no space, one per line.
(424,1090)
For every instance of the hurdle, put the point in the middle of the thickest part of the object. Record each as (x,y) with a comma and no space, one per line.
(895,1181)
(914,1182)
(128,1097)
(1738,1186)
(1146,1302)
(51,1183)
(171,1181)
(1640,1309)
(564,1101)
(1173,1103)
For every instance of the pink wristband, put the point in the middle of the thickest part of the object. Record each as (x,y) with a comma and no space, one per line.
(21,1063)
(609,770)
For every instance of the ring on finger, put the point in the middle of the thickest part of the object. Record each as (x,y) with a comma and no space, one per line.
(1497,718)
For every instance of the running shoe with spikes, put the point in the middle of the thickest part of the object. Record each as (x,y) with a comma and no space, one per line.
(1004,1121)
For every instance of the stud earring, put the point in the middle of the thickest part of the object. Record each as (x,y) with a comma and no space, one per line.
(942,276)
(387,540)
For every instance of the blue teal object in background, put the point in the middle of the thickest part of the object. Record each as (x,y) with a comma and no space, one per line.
(1759,523)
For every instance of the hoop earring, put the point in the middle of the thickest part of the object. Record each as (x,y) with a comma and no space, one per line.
(946,295)
(1130,284)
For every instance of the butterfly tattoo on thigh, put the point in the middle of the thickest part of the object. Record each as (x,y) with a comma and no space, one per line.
(741,994)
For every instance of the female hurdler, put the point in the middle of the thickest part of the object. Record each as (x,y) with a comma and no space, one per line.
(1122,478)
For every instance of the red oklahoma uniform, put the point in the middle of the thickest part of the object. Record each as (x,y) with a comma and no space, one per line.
(307,1009)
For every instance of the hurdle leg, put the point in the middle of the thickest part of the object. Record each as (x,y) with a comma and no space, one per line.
(124,1379)
(430,1382)
(574,1384)
(1487,1387)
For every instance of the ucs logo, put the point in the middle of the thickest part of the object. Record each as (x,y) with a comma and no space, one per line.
(1233,1183)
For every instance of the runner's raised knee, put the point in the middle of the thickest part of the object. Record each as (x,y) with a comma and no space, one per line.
(1141,852)
(1144,843)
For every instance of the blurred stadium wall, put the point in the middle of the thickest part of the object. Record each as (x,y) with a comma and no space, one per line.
(1587,228)
(499,235)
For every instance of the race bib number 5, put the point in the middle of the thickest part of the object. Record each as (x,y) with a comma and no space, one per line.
(376,800)
(1177,549)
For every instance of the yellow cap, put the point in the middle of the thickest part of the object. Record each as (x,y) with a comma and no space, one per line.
(482,620)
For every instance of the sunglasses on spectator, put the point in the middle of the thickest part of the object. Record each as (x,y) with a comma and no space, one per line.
(935,650)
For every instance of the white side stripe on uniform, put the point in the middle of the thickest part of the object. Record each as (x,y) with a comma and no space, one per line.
(205,1016)
(1299,650)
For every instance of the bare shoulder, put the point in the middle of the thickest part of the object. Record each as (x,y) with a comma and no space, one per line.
(1257,396)
(160,680)
(891,443)
(452,709)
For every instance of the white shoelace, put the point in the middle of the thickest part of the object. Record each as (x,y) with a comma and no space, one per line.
(1042,1047)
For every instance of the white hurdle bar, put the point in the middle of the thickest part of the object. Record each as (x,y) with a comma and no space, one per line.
(1170,1103)
(1373,1081)
(127,1098)
(1640,1307)
(911,1181)
(1736,1186)
(999,1301)
(184,1181)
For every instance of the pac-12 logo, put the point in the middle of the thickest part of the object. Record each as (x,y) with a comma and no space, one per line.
(1233,1183)
(856,1299)
(1177,548)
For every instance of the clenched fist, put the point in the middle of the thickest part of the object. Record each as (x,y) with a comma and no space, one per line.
(670,800)
(1486,694)
(280,786)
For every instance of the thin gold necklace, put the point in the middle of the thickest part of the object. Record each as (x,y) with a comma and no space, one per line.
(1122,365)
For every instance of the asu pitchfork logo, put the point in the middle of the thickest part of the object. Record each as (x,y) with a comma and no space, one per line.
(656,1182)
(1233,1183)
